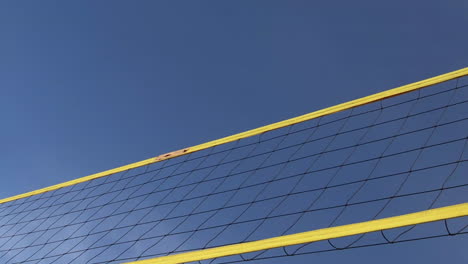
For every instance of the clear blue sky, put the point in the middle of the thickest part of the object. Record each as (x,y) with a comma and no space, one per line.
(86,86)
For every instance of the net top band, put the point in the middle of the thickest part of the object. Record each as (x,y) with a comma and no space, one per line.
(316,114)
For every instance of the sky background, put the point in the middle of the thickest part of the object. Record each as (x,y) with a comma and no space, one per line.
(86,86)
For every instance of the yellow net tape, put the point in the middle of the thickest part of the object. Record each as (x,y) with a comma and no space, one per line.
(327,111)
(426,216)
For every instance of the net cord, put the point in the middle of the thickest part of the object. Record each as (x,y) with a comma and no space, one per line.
(316,114)
(421,217)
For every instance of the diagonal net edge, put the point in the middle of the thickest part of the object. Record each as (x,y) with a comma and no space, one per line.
(421,217)
(316,114)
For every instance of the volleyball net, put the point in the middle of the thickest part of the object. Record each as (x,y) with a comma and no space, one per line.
(383,169)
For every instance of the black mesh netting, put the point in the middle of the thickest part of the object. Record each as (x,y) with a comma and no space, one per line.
(396,156)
